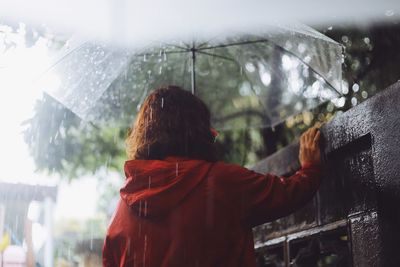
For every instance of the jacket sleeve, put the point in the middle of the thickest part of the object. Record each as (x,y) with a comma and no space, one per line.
(108,260)
(263,198)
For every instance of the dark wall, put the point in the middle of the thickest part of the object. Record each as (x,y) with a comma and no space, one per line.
(354,218)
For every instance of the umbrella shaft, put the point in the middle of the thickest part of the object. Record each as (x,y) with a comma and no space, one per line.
(193,71)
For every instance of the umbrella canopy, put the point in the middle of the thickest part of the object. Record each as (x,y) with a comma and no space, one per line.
(256,79)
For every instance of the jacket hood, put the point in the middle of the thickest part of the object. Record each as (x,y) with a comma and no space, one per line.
(154,187)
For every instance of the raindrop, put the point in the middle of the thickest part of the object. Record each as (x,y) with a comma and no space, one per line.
(298,106)
(177,168)
(355,88)
(149,182)
(345,90)
(316,85)
(144,58)
(165,56)
(129,246)
(345,39)
(339,102)
(160,70)
(364,94)
(330,28)
(301,48)
(354,101)
(144,250)
(329,108)
(287,63)
(266,78)
(162,102)
(306,72)
(241,70)
(250,67)
(245,89)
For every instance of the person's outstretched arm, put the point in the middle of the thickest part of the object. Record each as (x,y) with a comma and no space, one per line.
(263,198)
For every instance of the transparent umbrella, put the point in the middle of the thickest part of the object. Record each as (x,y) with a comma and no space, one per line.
(252,80)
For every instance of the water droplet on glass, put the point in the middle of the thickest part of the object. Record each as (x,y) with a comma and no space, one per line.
(355,87)
(364,94)
(301,48)
(250,67)
(354,101)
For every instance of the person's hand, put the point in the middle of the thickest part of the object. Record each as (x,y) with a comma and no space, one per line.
(309,147)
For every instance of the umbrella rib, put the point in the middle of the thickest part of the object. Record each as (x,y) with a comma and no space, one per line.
(166,52)
(215,55)
(177,46)
(60,59)
(281,48)
(233,44)
(312,69)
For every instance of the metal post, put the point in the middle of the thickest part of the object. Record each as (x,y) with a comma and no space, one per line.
(48,221)
(193,76)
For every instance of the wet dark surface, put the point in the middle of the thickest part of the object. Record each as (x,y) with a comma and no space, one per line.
(365,240)
(272,256)
(350,175)
(361,185)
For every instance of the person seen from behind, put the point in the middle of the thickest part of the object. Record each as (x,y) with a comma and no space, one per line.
(180,206)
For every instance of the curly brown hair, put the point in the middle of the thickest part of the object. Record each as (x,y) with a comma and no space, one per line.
(171,122)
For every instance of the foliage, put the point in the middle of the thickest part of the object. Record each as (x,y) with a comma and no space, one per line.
(62,142)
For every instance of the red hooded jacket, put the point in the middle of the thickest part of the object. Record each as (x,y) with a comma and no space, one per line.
(181,212)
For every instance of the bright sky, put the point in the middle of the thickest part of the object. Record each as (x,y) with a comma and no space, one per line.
(20,67)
